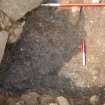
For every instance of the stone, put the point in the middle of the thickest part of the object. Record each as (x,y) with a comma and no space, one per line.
(30,98)
(11,101)
(15,32)
(5,21)
(16,9)
(52,104)
(62,100)
(94,100)
(3,41)
(45,99)
(20,102)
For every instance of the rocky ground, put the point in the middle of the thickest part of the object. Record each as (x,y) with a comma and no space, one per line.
(53,98)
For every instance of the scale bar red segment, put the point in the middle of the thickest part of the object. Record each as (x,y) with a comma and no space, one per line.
(74,4)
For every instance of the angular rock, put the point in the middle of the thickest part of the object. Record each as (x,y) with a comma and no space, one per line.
(16,9)
(3,41)
(62,101)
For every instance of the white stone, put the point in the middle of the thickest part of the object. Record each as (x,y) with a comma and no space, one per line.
(62,101)
(94,100)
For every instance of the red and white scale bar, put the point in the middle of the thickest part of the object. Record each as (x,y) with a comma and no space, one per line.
(74,5)
(83,50)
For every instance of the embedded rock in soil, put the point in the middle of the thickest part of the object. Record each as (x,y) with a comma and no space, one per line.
(11,101)
(15,32)
(95,100)
(62,101)
(5,21)
(3,41)
(20,102)
(31,98)
(45,99)
(16,9)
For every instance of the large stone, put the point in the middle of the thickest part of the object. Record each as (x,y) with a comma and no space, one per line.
(16,9)
(3,41)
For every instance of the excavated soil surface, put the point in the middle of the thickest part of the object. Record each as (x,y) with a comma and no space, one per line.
(48,55)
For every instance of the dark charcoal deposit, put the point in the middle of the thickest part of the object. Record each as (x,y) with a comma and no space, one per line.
(48,42)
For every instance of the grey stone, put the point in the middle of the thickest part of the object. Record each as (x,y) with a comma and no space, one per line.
(16,9)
